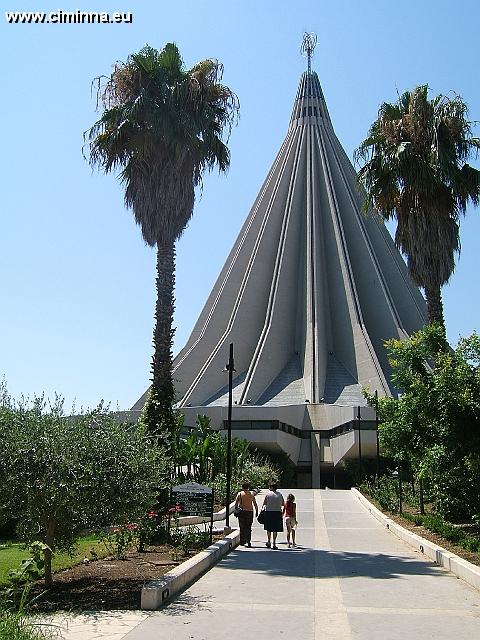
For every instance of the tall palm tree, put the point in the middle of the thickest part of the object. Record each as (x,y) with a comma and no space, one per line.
(162,126)
(416,171)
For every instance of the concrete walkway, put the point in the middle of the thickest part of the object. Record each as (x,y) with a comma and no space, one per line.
(348,578)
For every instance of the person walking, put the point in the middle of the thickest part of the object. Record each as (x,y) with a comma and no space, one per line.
(290,513)
(273,524)
(245,501)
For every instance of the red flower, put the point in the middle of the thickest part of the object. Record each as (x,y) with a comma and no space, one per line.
(152,514)
(175,509)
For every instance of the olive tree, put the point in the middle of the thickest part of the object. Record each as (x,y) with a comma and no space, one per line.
(60,475)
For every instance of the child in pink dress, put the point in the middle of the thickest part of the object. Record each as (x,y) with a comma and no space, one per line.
(290,513)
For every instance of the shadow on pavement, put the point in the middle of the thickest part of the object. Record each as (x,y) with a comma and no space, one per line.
(184,603)
(301,562)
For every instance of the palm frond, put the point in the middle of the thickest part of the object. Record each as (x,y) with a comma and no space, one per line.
(415,169)
(162,126)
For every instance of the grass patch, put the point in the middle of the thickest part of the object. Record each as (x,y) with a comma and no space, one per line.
(15,626)
(12,555)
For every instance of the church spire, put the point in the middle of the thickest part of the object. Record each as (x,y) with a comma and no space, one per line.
(308,46)
(309,107)
(309,293)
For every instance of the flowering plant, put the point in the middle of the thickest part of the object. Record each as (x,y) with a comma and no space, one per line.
(176,509)
(148,528)
(119,539)
(174,512)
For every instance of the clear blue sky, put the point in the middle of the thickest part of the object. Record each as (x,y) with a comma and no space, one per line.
(77,282)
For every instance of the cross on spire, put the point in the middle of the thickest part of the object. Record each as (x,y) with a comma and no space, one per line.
(308,45)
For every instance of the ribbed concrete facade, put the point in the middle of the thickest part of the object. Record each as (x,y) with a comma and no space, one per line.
(309,292)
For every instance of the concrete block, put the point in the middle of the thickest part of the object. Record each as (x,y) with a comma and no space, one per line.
(158,592)
(466,571)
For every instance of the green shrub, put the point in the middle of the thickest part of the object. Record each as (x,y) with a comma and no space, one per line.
(258,470)
(189,538)
(456,490)
(384,490)
(416,518)
(433,425)
(275,465)
(151,529)
(471,543)
(219,486)
(436,524)
(119,540)
(450,532)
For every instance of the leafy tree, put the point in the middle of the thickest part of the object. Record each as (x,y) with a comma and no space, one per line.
(416,171)
(435,424)
(61,475)
(162,125)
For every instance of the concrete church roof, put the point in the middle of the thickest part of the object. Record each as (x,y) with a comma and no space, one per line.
(311,289)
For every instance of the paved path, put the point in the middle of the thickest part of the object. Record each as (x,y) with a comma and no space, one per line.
(349,578)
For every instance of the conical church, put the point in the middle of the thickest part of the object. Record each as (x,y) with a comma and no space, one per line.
(309,293)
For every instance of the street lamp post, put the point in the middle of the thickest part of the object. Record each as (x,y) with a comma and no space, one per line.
(230,368)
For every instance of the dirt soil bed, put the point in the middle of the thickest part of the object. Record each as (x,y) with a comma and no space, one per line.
(471,556)
(106,584)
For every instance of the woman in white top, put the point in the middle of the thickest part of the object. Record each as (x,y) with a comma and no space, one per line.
(273,524)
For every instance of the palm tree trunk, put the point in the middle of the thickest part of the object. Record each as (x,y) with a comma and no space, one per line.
(159,415)
(434,304)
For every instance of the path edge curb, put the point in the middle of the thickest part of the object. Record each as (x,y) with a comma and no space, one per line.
(463,569)
(159,592)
